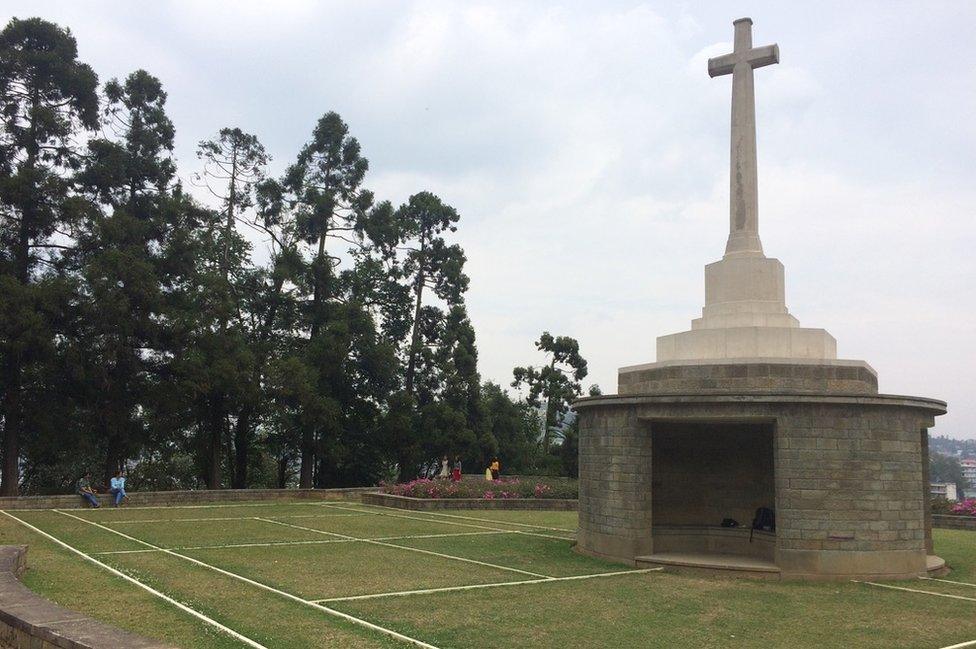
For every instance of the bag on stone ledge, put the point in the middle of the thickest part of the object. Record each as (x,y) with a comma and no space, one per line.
(730,522)
(765,520)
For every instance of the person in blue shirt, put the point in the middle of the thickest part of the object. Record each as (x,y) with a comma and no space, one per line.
(117,487)
(85,490)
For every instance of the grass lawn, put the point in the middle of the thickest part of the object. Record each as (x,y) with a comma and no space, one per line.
(302,574)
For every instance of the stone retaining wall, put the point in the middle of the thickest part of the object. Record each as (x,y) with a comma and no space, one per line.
(950,522)
(173,498)
(28,621)
(406,502)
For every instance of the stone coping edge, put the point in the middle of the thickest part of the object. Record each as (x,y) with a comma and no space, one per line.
(835,362)
(923,403)
(176,498)
(952,522)
(407,502)
(29,620)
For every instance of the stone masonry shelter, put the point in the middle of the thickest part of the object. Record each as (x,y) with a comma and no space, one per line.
(749,410)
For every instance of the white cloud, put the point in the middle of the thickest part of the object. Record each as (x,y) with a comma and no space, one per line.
(587,151)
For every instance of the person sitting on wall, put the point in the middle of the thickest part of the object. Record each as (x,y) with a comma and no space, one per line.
(117,487)
(85,490)
(495,468)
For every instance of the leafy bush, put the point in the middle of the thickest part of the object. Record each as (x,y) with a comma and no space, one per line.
(965,508)
(474,487)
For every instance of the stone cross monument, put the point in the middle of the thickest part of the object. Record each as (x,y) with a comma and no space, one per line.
(749,412)
(745,314)
(744,206)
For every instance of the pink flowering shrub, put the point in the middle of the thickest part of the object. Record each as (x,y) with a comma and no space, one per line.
(965,507)
(476,487)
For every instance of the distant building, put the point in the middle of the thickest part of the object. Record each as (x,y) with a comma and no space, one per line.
(969,470)
(944,490)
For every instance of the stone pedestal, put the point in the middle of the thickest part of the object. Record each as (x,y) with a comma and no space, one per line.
(846,476)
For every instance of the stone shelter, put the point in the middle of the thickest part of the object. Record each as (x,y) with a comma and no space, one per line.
(749,410)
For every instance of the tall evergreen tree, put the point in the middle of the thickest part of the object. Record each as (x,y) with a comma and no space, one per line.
(128,274)
(430,263)
(46,98)
(321,195)
(234,163)
(556,383)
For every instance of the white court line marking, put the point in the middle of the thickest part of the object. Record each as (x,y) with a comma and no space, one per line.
(410,549)
(118,573)
(434,520)
(220,518)
(271,589)
(269,544)
(949,581)
(915,590)
(448,589)
(971,643)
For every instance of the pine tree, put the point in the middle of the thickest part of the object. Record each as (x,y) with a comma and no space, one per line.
(128,270)
(47,97)
(556,383)
(234,164)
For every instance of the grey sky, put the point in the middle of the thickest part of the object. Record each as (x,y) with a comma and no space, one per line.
(587,151)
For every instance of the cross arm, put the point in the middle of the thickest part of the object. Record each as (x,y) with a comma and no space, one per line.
(762,56)
(722,64)
(756,57)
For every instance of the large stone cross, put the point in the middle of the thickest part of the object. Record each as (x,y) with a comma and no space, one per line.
(744,204)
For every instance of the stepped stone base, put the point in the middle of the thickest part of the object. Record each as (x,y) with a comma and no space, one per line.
(749,376)
(747,342)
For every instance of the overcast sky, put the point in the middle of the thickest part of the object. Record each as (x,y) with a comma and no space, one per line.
(586,149)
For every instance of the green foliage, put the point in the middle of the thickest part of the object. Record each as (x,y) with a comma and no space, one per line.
(47,98)
(945,468)
(554,384)
(137,330)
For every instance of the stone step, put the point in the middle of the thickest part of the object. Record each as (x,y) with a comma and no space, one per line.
(700,562)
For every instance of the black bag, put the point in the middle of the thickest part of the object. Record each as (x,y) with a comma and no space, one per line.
(765,520)
(730,522)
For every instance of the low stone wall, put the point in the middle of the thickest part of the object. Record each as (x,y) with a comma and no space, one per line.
(28,621)
(174,498)
(406,502)
(950,522)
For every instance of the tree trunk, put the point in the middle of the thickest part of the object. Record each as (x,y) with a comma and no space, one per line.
(415,336)
(10,482)
(12,415)
(308,460)
(214,443)
(283,471)
(550,415)
(242,447)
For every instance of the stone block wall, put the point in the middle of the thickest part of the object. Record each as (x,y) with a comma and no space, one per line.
(755,377)
(950,522)
(406,502)
(176,498)
(615,483)
(850,489)
(849,476)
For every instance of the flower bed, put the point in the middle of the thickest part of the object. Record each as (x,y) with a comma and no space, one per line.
(472,487)
(964,508)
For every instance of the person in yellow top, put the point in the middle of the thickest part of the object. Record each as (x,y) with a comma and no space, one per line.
(495,468)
